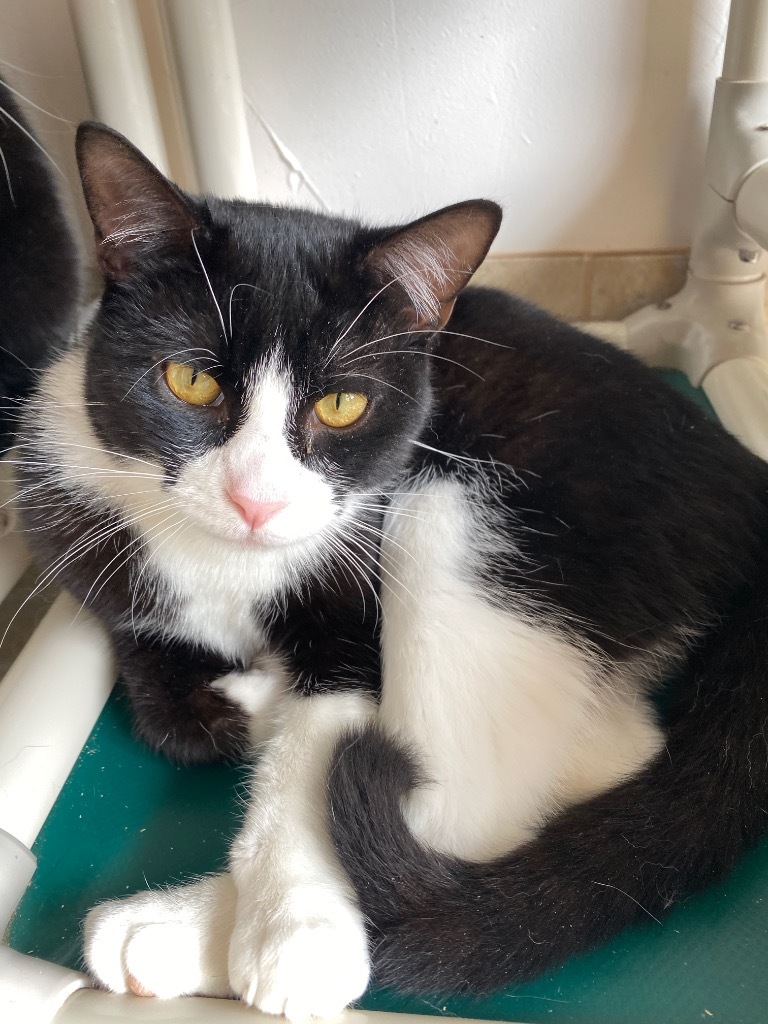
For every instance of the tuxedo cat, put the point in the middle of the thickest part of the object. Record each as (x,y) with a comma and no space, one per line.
(430,552)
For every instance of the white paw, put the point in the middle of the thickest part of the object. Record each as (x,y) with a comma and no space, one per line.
(258,692)
(300,967)
(165,943)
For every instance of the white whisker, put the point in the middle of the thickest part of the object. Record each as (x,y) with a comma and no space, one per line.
(210,286)
(416,352)
(241,284)
(34,141)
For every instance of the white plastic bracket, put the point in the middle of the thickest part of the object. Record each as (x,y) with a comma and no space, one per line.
(714,329)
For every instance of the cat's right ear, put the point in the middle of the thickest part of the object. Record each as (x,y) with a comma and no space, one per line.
(136,212)
(432,259)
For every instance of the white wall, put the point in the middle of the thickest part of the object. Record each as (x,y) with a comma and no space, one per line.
(585,118)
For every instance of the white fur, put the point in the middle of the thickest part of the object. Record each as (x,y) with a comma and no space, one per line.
(297,942)
(258,463)
(299,945)
(510,717)
(166,943)
(421,268)
(260,692)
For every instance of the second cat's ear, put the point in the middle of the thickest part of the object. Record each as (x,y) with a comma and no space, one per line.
(136,212)
(433,258)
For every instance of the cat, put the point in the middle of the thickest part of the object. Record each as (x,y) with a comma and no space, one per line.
(39,263)
(429,551)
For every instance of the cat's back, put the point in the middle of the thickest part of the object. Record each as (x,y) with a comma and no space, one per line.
(548,396)
(630,501)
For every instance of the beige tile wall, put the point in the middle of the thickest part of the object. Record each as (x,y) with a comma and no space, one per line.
(588,286)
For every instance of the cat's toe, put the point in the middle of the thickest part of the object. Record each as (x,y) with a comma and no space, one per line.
(301,969)
(166,960)
(104,936)
(167,943)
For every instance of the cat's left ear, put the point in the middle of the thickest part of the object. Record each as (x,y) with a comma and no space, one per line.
(137,212)
(433,259)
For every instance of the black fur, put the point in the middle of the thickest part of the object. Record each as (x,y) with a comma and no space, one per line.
(39,267)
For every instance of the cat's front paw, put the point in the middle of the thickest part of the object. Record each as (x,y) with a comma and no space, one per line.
(201,727)
(296,964)
(166,943)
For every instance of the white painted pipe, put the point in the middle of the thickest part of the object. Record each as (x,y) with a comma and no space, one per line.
(99,1007)
(33,991)
(50,699)
(746,45)
(117,73)
(203,43)
(719,315)
(49,702)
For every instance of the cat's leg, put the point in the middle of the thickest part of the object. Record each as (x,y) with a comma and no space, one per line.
(299,945)
(181,709)
(174,941)
(166,943)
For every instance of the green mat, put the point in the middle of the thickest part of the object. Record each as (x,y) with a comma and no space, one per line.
(126,818)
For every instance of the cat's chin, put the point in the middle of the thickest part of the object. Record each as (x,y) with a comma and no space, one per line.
(257,540)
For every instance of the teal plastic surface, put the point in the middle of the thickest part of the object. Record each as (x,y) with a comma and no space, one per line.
(127,819)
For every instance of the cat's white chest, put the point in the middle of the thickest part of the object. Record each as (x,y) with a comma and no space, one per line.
(505,714)
(211,592)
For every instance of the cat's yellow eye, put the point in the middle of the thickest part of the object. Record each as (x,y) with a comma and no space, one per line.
(190,385)
(340,408)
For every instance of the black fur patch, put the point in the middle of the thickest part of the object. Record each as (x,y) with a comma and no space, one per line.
(39,265)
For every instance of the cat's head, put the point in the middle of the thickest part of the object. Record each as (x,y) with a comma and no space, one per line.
(270,361)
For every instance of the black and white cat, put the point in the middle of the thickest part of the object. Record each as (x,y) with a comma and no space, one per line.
(433,552)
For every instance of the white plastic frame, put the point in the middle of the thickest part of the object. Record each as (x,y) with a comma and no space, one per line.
(714,329)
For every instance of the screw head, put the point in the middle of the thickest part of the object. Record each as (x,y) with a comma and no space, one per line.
(738,325)
(749,255)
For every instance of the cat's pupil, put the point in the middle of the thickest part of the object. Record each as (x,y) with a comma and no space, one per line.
(193,378)
(338,399)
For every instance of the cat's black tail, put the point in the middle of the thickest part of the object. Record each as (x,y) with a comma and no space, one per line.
(39,267)
(442,925)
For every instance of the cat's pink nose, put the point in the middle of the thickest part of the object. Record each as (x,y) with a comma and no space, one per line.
(255,513)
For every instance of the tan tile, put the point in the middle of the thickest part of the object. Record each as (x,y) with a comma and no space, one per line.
(554,281)
(624,282)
